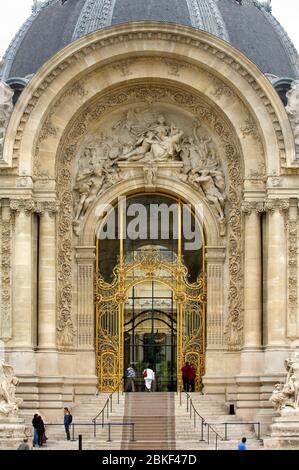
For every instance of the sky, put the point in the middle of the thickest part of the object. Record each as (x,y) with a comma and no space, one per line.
(15,12)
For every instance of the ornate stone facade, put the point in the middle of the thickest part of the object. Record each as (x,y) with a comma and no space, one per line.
(150,121)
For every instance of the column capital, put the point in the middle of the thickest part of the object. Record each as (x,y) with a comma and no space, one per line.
(22,205)
(47,207)
(252,206)
(277,204)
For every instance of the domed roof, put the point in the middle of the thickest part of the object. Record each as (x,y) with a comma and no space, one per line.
(56,23)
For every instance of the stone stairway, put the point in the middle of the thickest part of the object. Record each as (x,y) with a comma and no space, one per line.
(154,418)
(83,412)
(188,436)
(160,423)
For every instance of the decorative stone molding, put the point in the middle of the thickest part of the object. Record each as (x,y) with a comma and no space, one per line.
(215,257)
(292,240)
(67,154)
(85,257)
(123,67)
(7,221)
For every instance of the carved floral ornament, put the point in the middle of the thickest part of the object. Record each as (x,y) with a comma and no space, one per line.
(151,33)
(147,139)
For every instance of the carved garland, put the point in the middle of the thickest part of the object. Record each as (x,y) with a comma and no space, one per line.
(117,38)
(67,154)
(6,272)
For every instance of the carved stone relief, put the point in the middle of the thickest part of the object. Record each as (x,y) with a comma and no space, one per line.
(209,180)
(6,271)
(147,136)
(285,397)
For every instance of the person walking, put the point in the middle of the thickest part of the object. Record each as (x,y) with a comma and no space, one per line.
(67,422)
(242,444)
(40,430)
(130,383)
(149,377)
(191,377)
(35,426)
(185,376)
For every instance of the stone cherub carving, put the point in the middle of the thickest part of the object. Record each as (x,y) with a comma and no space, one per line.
(9,404)
(285,397)
(292,110)
(6,108)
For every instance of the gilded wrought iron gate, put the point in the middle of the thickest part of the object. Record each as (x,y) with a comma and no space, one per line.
(110,298)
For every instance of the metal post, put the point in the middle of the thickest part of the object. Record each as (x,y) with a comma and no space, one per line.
(109,433)
(225,431)
(103,418)
(133,432)
(107,405)
(216,441)
(191,404)
(180,397)
(201,437)
(194,417)
(80,441)
(208,434)
(187,402)
(258,431)
(94,429)
(111,406)
(73,432)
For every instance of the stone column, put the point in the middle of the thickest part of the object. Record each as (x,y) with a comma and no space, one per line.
(85,256)
(47,277)
(23,300)
(276,272)
(252,274)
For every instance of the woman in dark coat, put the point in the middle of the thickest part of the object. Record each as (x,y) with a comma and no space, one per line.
(40,430)
(35,433)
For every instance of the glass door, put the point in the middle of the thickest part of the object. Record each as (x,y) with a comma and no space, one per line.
(150,334)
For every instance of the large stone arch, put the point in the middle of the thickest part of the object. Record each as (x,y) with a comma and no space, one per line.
(231,81)
(201,74)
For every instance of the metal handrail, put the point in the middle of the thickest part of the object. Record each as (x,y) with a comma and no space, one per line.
(239,423)
(205,423)
(94,425)
(106,406)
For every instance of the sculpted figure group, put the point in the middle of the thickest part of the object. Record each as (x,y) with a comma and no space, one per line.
(9,404)
(157,141)
(6,108)
(285,397)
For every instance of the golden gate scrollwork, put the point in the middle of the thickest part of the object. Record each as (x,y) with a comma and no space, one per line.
(110,299)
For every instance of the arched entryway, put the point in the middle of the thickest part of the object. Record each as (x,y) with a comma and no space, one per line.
(150,291)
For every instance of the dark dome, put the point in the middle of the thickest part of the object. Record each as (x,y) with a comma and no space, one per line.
(54,24)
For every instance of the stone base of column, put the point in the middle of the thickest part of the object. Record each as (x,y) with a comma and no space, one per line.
(12,432)
(284,432)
